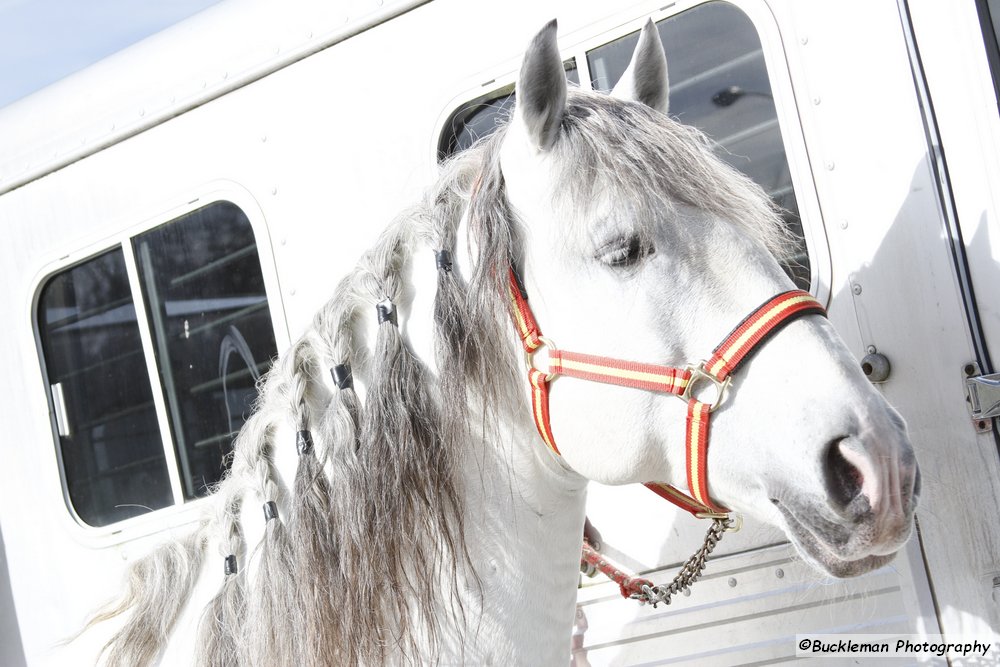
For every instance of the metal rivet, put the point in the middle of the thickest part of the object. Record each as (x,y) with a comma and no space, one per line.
(871,349)
(804,39)
(274,190)
(817,99)
(779,573)
(969,370)
(856,288)
(732,582)
(843,224)
(687,592)
(291,292)
(830,165)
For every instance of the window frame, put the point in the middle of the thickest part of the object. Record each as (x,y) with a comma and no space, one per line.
(181,512)
(631,20)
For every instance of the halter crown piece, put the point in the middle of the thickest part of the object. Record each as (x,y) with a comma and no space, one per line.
(726,358)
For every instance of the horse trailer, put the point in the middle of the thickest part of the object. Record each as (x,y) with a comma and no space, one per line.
(176,213)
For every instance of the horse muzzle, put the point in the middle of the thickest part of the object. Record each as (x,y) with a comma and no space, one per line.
(867,514)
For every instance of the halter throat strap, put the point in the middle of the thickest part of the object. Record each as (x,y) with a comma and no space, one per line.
(748,336)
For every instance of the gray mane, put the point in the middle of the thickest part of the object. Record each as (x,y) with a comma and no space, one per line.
(650,165)
(367,557)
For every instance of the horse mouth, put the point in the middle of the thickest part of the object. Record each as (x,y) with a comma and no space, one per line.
(822,553)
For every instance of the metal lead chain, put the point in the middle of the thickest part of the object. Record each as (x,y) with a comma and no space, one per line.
(690,571)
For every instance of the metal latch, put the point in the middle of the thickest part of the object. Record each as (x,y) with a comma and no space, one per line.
(984,395)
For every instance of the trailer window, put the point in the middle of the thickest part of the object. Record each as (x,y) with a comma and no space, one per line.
(113,460)
(198,282)
(718,83)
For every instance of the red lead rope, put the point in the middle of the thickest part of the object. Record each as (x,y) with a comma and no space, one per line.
(747,337)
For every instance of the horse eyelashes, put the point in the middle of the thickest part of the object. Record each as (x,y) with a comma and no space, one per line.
(625,251)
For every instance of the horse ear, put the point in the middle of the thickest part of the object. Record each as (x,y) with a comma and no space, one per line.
(541,89)
(645,79)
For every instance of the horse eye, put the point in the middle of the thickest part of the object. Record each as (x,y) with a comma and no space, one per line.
(624,252)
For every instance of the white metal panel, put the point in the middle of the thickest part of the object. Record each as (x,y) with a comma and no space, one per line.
(895,279)
(746,611)
(220,49)
(958,76)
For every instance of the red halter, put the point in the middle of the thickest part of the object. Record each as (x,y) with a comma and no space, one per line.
(745,339)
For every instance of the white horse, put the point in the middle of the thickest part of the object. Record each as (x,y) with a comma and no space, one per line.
(420,517)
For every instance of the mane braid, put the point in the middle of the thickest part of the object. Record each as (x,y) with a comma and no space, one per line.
(316,555)
(219,638)
(162,581)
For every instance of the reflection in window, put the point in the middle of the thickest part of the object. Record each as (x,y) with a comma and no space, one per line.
(109,439)
(210,329)
(205,297)
(718,83)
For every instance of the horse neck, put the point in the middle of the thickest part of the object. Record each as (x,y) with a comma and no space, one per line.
(523,515)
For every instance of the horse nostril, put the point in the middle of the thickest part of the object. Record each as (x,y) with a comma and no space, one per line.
(843,479)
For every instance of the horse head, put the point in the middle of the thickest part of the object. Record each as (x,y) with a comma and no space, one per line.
(640,244)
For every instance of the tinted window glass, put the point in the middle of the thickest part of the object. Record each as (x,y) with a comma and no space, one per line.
(719,84)
(205,297)
(109,439)
(207,327)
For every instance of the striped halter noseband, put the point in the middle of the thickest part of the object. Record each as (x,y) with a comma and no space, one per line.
(684,382)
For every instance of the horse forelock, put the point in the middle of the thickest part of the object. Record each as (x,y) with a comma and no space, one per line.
(650,163)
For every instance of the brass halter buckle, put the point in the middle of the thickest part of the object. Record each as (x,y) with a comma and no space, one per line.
(698,375)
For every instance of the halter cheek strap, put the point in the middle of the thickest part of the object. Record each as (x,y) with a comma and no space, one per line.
(725,359)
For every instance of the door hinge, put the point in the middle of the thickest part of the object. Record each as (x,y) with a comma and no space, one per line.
(982,393)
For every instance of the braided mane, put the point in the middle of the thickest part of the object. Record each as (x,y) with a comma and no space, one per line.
(364,558)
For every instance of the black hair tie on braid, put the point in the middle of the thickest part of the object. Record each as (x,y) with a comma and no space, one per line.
(230,566)
(442,258)
(270,510)
(303,442)
(342,376)
(386,312)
